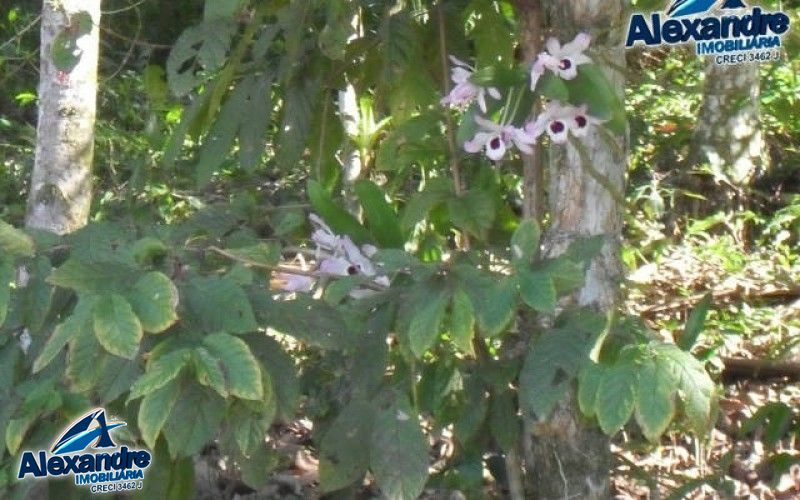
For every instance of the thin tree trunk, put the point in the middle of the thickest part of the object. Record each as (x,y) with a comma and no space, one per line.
(60,193)
(569,457)
(728,135)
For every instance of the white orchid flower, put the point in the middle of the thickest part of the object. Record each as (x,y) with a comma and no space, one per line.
(558,120)
(496,139)
(465,91)
(561,60)
(294,282)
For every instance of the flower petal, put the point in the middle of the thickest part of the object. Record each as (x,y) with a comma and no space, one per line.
(553,46)
(494,93)
(488,124)
(477,143)
(578,44)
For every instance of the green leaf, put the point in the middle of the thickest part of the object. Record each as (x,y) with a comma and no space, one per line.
(493,299)
(208,371)
(503,420)
(77,322)
(588,382)
(694,323)
(160,372)
(242,371)
(283,374)
(154,299)
(14,241)
(343,458)
(537,290)
(255,122)
(335,216)
(462,321)
(98,277)
(525,243)
(436,191)
(380,216)
(399,452)
(616,396)
(197,53)
(194,421)
(425,324)
(655,403)
(219,304)
(83,366)
(552,362)
(250,423)
(300,100)
(314,322)
(552,87)
(473,212)
(215,9)
(6,280)
(697,390)
(154,411)
(16,430)
(116,326)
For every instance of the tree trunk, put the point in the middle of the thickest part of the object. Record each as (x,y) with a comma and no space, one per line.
(568,457)
(60,193)
(728,136)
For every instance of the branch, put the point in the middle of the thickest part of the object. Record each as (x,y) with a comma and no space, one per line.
(735,293)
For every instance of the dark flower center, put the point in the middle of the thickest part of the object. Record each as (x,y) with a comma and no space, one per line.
(352,270)
(557,127)
(581,121)
(495,143)
(565,64)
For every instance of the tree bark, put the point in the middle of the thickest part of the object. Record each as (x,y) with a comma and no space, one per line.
(727,136)
(60,193)
(569,457)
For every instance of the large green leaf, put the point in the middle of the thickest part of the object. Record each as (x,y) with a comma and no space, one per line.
(553,360)
(194,420)
(242,371)
(116,326)
(283,373)
(14,241)
(339,219)
(197,53)
(78,321)
(436,191)
(83,362)
(537,290)
(6,279)
(493,299)
(616,396)
(399,452)
(218,304)
(154,299)
(655,399)
(160,372)
(98,277)
(473,212)
(299,102)
(208,371)
(314,322)
(154,411)
(462,321)
(525,243)
(425,324)
(503,420)
(697,390)
(343,458)
(383,222)
(588,382)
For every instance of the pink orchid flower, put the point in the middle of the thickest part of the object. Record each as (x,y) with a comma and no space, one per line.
(563,61)
(465,91)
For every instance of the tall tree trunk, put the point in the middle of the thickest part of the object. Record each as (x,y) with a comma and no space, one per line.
(61,188)
(728,135)
(566,456)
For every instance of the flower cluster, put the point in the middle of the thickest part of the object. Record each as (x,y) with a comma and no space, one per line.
(465,91)
(558,120)
(336,256)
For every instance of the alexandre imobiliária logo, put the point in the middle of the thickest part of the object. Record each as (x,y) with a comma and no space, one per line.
(731,32)
(97,468)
